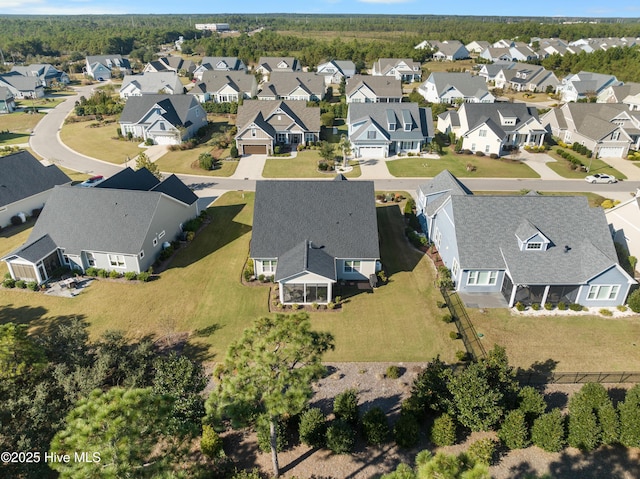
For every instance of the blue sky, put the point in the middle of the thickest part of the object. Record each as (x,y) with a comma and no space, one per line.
(549,8)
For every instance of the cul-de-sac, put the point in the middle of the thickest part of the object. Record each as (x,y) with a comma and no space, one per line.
(328,245)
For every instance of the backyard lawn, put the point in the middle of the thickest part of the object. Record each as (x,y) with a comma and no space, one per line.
(457,164)
(304,165)
(561,166)
(98,142)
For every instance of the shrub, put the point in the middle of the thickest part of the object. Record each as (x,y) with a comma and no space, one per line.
(520,306)
(548,306)
(454,335)
(535,306)
(32,285)
(531,403)
(621,307)
(233,151)
(575,307)
(295,306)
(261,278)
(16,220)
(313,427)
(143,276)
(264,435)
(610,424)
(21,284)
(447,318)
(562,306)
(584,432)
(113,274)
(340,437)
(375,427)
(9,283)
(166,253)
(482,451)
(462,356)
(211,443)
(630,418)
(345,406)
(393,372)
(92,271)
(331,305)
(205,160)
(479,153)
(130,275)
(406,431)
(633,301)
(548,431)
(443,431)
(514,432)
(494,156)
(103,273)
(441,304)
(605,312)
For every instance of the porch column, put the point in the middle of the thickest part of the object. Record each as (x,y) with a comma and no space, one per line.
(280,293)
(544,296)
(329,292)
(513,295)
(528,138)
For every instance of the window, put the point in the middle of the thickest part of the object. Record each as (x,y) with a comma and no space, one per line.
(482,277)
(482,133)
(162,127)
(455,268)
(473,147)
(371,135)
(141,254)
(603,292)
(351,266)
(437,238)
(486,149)
(116,260)
(269,265)
(534,245)
(90,259)
(407,127)
(65,259)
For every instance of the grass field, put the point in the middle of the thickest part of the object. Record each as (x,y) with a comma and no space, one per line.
(561,166)
(304,165)
(48,102)
(457,164)
(98,142)
(19,125)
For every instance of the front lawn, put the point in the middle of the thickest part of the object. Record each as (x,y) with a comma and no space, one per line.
(98,141)
(186,161)
(304,165)
(18,126)
(47,102)
(561,166)
(485,167)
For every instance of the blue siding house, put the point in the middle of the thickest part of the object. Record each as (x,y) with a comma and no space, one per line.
(532,248)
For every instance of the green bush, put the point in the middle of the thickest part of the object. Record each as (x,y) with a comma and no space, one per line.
(531,403)
(454,335)
(514,432)
(143,276)
(630,418)
(633,301)
(345,406)
(21,284)
(233,151)
(393,372)
(406,432)
(447,318)
(103,273)
(331,305)
(92,271)
(113,274)
(548,306)
(584,431)
(520,306)
(462,356)
(443,431)
(205,160)
(263,433)
(609,423)
(562,306)
(482,451)
(211,443)
(130,275)
(535,306)
(575,307)
(192,225)
(313,427)
(621,307)
(548,431)
(375,427)
(9,283)
(340,437)
(166,253)
(32,285)
(605,312)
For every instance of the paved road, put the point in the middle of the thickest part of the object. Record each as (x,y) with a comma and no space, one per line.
(46,142)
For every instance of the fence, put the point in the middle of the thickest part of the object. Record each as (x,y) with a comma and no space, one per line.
(536,377)
(468,333)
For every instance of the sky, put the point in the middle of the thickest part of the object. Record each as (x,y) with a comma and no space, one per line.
(505,8)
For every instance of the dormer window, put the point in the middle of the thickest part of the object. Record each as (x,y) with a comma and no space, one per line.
(534,246)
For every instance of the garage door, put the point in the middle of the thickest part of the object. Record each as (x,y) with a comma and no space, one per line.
(165,140)
(255,149)
(372,151)
(611,152)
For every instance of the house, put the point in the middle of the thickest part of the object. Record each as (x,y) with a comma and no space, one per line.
(477,46)
(225,64)
(496,54)
(443,87)
(25,185)
(170,64)
(494,128)
(165,119)
(534,249)
(370,89)
(106,228)
(213,27)
(166,82)
(526,77)
(309,235)
(624,222)
(490,70)
(264,124)
(225,86)
(618,93)
(604,128)
(268,65)
(47,73)
(335,71)
(293,86)
(384,129)
(22,86)
(7,101)
(403,69)
(448,50)
(583,85)
(105,67)
(632,101)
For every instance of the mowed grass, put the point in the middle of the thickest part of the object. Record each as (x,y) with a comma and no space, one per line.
(186,161)
(485,167)
(561,166)
(97,142)
(575,343)
(304,165)
(19,126)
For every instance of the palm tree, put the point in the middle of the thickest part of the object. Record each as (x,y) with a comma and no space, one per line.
(345,147)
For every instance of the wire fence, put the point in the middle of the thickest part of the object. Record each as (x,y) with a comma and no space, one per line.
(467,332)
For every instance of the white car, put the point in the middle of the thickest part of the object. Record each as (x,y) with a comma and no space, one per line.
(601,178)
(93,181)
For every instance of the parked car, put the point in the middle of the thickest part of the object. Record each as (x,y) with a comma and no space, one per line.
(93,181)
(601,178)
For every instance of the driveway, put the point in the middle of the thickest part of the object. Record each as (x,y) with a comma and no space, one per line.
(250,167)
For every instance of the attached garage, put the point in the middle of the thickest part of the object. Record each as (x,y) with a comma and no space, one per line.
(372,152)
(165,139)
(254,149)
(611,152)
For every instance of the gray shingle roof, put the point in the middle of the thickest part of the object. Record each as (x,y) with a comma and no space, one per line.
(271,64)
(153,82)
(177,107)
(21,83)
(233,63)
(35,250)
(420,119)
(443,182)
(129,179)
(174,187)
(467,84)
(305,257)
(240,81)
(22,176)
(259,111)
(592,120)
(381,86)
(478,113)
(284,83)
(109,61)
(338,217)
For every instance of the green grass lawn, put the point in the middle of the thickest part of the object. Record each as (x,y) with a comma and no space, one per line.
(47,102)
(457,165)
(304,165)
(341,129)
(561,166)
(19,125)
(186,161)
(98,142)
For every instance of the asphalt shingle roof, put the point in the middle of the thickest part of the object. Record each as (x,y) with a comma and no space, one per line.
(305,257)
(443,182)
(129,179)
(467,84)
(259,111)
(176,106)
(420,119)
(381,86)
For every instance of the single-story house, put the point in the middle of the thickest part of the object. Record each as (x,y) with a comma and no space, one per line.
(309,235)
(267,65)
(151,83)
(104,67)
(224,64)
(293,86)
(403,69)
(384,129)
(477,46)
(525,77)
(444,87)
(7,100)
(264,124)
(624,222)
(495,128)
(106,228)
(448,50)
(370,89)
(47,73)
(533,249)
(225,86)
(25,184)
(335,71)
(582,85)
(170,64)
(166,119)
(22,86)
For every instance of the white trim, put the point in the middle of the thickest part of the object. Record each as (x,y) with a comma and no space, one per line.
(474,276)
(613,289)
